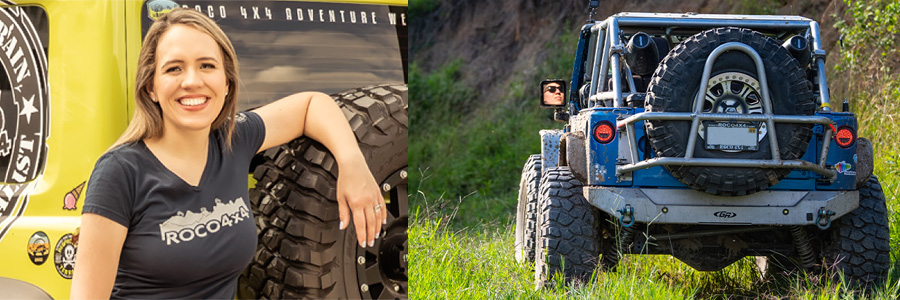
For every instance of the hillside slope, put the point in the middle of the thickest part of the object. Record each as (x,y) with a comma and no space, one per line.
(497,40)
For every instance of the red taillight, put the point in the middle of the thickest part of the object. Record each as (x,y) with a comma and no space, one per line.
(845,136)
(604,132)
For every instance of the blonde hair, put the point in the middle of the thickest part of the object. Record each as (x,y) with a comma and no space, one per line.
(147,121)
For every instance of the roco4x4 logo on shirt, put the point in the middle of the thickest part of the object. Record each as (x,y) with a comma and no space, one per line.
(24,105)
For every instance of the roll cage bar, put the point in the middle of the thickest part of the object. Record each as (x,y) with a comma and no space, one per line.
(672,25)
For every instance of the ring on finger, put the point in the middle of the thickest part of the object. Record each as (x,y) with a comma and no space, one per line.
(378,208)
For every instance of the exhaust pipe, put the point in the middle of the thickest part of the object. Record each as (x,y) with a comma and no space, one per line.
(641,54)
(798,47)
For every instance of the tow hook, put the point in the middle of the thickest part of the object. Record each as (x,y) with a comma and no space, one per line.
(823,220)
(627,213)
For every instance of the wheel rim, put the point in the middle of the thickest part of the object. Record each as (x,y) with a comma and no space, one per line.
(382,271)
(733,93)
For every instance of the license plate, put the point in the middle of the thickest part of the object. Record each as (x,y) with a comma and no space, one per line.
(732,136)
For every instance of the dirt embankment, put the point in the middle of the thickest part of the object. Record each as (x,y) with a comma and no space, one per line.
(497,40)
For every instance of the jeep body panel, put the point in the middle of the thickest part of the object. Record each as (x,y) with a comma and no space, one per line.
(86,70)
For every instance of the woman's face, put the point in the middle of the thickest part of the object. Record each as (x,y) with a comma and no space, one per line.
(190,82)
(553,94)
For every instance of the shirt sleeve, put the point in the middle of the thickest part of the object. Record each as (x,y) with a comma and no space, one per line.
(249,133)
(109,191)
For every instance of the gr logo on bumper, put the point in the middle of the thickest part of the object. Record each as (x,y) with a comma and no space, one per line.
(725,214)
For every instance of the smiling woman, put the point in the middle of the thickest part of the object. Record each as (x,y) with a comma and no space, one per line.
(173,187)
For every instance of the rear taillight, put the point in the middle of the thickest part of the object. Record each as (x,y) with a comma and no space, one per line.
(604,132)
(845,136)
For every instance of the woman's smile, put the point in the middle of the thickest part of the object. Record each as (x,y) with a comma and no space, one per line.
(190,83)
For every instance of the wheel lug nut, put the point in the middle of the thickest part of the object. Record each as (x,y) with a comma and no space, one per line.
(386,187)
(403,174)
(364,288)
(361,260)
(396,288)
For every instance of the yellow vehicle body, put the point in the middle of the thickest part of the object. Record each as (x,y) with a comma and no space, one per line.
(92,49)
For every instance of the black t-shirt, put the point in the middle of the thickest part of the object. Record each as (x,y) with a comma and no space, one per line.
(183,241)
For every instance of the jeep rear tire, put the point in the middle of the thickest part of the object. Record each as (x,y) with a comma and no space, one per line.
(301,253)
(858,243)
(677,81)
(527,204)
(568,237)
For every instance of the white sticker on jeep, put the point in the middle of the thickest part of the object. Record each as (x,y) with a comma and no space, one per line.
(24,105)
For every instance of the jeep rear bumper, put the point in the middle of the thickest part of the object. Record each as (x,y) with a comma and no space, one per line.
(686,206)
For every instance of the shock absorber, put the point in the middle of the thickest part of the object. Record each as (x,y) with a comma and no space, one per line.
(621,245)
(628,237)
(804,248)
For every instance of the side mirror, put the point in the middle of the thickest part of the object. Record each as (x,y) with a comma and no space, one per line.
(553,93)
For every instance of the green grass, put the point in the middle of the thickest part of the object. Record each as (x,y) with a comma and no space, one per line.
(478,264)
(467,158)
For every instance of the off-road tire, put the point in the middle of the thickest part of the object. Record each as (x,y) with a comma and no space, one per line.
(301,253)
(858,243)
(568,238)
(527,204)
(676,82)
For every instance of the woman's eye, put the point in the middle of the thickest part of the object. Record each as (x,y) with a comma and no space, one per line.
(172,69)
(208,66)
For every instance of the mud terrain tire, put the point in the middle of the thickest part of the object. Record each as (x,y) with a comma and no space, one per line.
(527,204)
(673,89)
(301,253)
(568,237)
(858,243)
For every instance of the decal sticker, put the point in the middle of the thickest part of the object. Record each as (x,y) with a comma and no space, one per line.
(24,108)
(854,159)
(64,256)
(38,248)
(71,198)
(158,8)
(599,172)
(186,226)
(844,168)
(725,214)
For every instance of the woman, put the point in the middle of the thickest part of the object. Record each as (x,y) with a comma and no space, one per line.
(553,94)
(166,213)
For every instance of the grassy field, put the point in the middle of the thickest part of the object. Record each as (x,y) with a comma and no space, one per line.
(468,161)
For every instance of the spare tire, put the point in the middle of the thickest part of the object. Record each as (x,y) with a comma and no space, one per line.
(734,88)
(301,254)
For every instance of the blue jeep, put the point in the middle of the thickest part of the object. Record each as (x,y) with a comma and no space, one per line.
(705,137)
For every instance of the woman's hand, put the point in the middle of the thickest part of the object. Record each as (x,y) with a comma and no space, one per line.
(358,192)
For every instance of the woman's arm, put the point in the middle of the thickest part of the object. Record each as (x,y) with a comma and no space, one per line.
(316,115)
(99,246)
